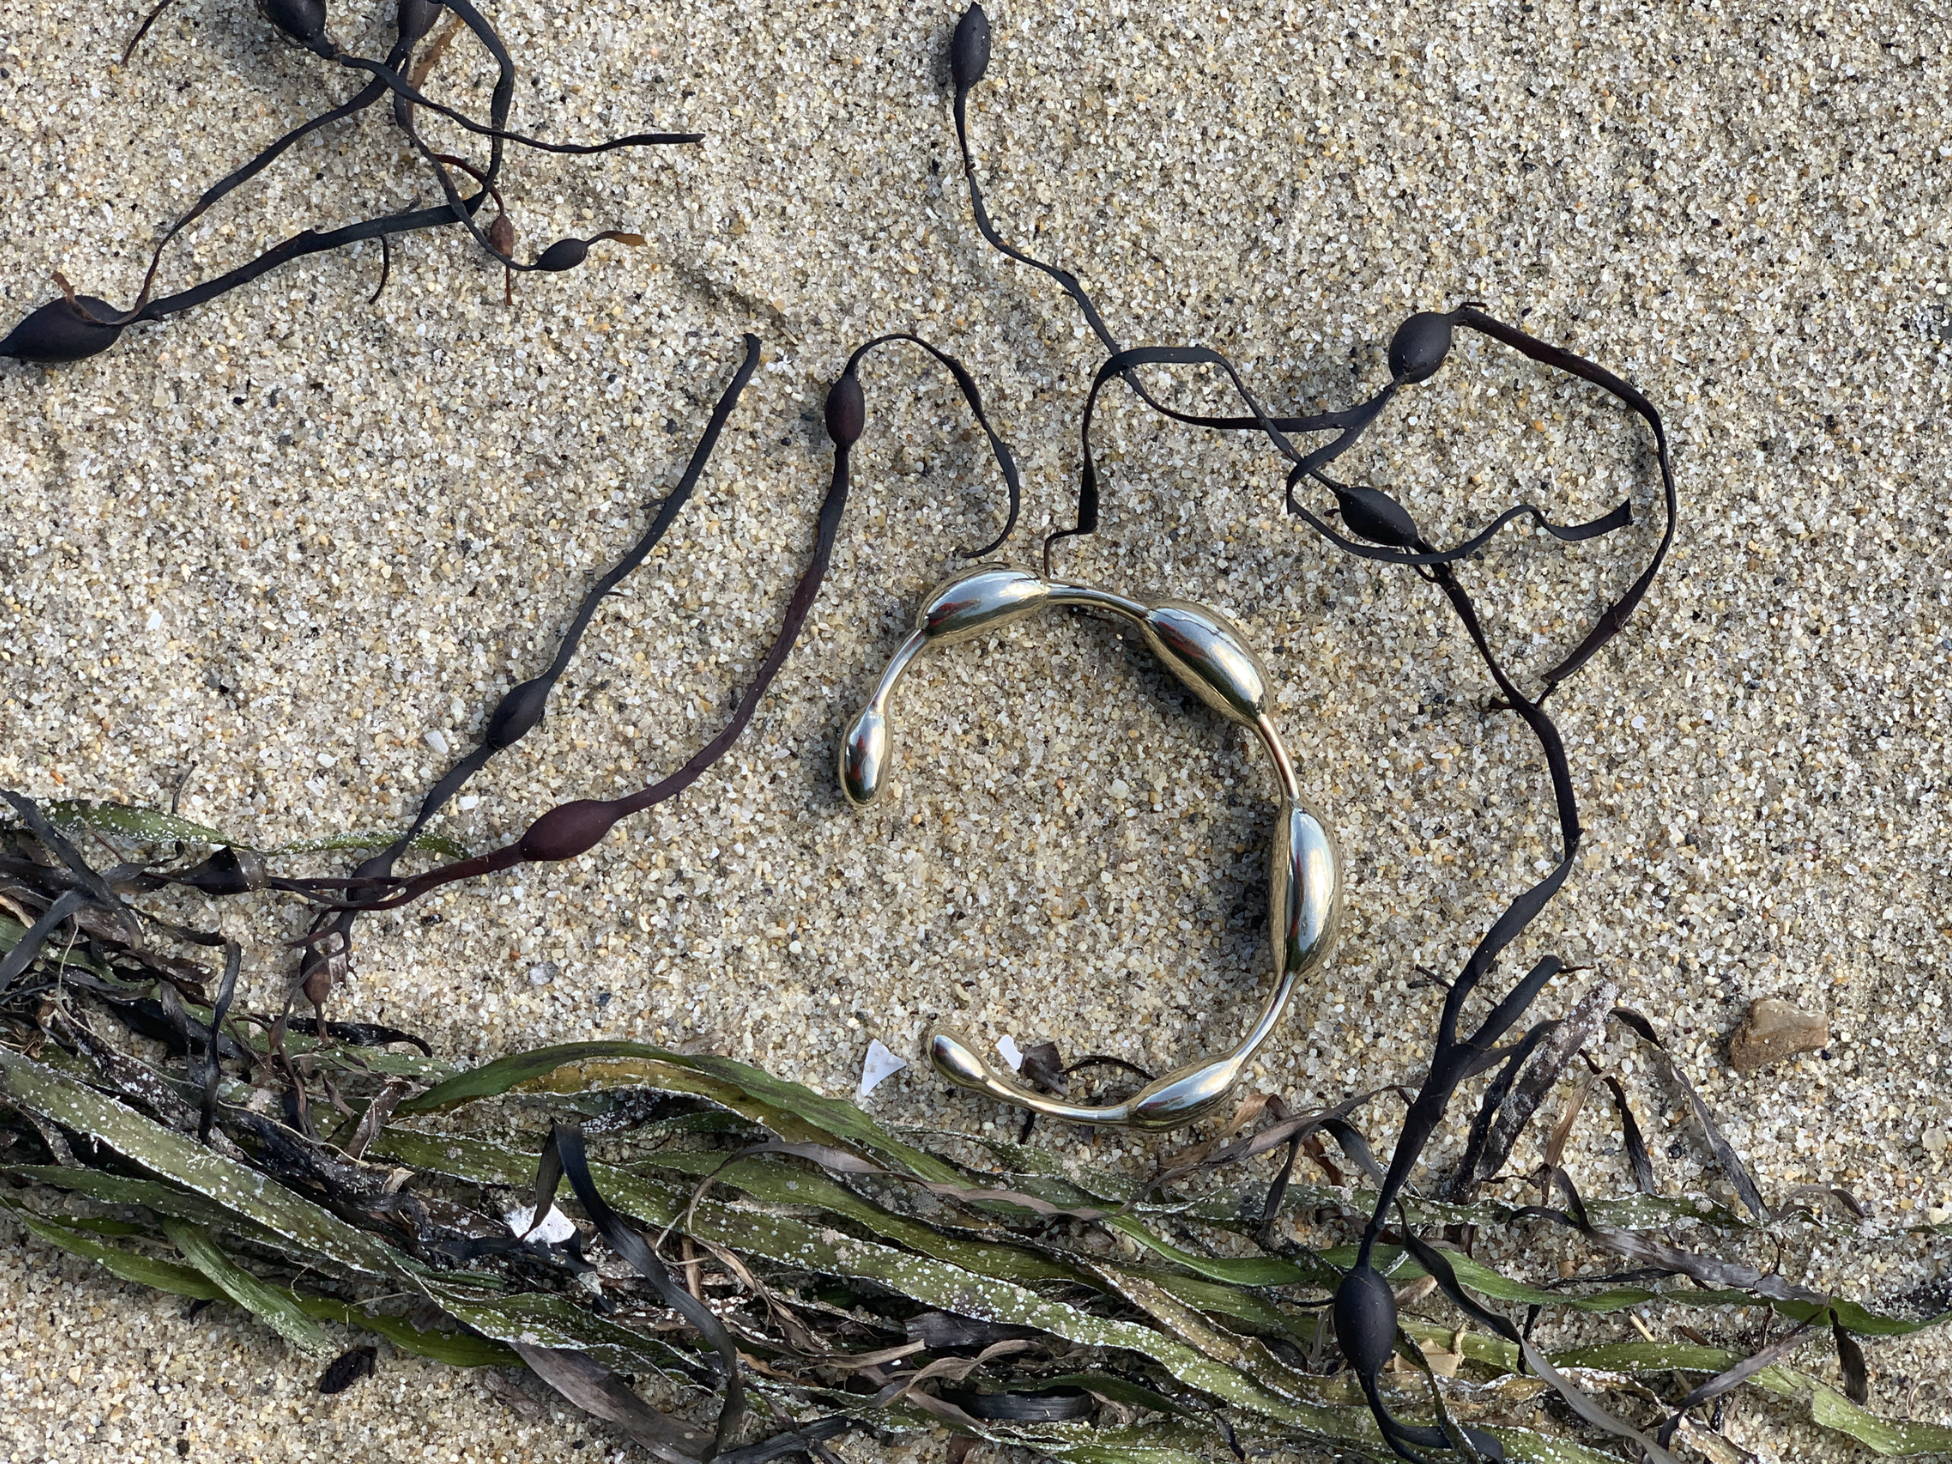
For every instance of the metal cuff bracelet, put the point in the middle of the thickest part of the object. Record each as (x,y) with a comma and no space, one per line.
(1205,651)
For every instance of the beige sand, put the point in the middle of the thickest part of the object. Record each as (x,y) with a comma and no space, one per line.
(267,550)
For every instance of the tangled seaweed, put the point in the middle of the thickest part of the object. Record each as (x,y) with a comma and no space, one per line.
(781,1257)
(876,1280)
(1380,527)
(73,326)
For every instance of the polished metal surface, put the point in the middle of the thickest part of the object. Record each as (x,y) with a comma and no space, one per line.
(1205,651)
(987,596)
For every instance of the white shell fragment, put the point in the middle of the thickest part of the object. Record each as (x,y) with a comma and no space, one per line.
(879,1066)
(556,1227)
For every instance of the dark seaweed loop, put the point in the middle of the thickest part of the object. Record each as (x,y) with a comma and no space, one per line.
(1615,518)
(963,49)
(1417,349)
(1366,510)
(82,326)
(1118,366)
(1006,461)
(1613,619)
(414,19)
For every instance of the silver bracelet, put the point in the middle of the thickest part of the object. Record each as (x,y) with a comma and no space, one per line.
(1205,651)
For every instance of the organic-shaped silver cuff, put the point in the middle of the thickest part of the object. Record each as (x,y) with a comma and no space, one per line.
(1206,652)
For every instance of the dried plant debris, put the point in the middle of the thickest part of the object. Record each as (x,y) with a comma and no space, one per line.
(786,1268)
(1773,1030)
(74,326)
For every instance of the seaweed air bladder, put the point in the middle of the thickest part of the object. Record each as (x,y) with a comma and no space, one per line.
(74,326)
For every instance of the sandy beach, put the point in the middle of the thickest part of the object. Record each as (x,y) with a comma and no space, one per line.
(274,555)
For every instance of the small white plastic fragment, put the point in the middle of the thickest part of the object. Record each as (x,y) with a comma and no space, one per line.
(879,1065)
(1007,1048)
(436,739)
(556,1227)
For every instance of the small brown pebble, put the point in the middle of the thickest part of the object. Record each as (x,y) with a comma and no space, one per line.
(1772,1031)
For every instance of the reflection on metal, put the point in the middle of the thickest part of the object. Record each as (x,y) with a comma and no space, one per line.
(1205,651)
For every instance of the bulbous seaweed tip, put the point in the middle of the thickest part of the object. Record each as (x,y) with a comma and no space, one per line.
(969,51)
(1373,515)
(563,254)
(416,18)
(517,714)
(1419,346)
(567,830)
(847,410)
(58,332)
(301,20)
(1365,1320)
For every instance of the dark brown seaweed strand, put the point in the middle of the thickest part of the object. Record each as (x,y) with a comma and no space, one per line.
(300,245)
(83,873)
(1415,353)
(565,253)
(1725,1156)
(1452,1058)
(1638,1158)
(969,55)
(78,326)
(1367,511)
(409,18)
(400,87)
(576,827)
(561,255)
(564,1157)
(155,14)
(1006,461)
(1735,1376)
(1489,1107)
(1381,519)
(29,945)
(213,1069)
(363,99)
(1582,1403)
(312,35)
(74,329)
(522,708)
(502,99)
(1614,618)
